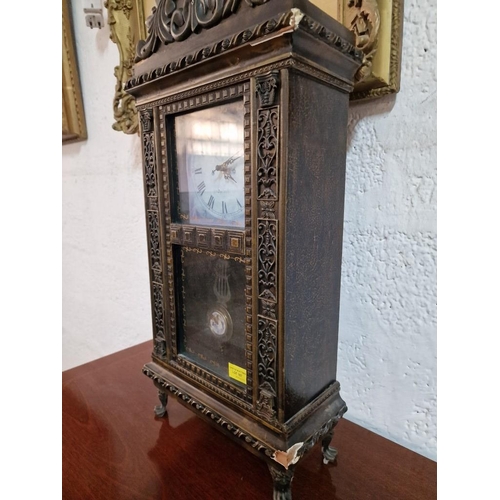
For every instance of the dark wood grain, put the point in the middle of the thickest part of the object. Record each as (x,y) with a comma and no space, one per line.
(115,448)
(314,224)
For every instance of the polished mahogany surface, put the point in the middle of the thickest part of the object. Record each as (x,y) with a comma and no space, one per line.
(114,447)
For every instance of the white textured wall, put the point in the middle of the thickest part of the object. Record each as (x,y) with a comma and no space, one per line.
(105,281)
(387,352)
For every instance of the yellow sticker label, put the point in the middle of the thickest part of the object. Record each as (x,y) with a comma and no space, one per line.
(239,374)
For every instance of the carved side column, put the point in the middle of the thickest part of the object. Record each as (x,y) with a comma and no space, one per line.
(268,129)
(153,228)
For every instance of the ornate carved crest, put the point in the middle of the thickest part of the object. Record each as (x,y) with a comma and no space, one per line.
(175,20)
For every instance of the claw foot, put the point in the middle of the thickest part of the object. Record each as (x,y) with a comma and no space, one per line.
(329,455)
(282,481)
(161,409)
(329,452)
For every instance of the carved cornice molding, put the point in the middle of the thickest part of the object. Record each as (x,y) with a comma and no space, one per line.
(290,19)
(263,29)
(321,33)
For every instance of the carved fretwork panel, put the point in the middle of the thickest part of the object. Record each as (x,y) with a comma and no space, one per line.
(267,252)
(149,164)
(267,348)
(154,245)
(268,154)
(160,348)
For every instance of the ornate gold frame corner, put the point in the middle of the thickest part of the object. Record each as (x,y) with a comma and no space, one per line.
(127,23)
(73,117)
(378,26)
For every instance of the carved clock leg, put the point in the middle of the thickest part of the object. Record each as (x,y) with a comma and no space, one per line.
(329,452)
(282,481)
(161,409)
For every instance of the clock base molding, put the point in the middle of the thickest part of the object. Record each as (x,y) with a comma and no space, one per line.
(280,450)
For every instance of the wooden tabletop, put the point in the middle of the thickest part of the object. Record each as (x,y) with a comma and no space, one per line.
(115,448)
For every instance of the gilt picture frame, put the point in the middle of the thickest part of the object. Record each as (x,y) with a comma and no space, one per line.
(74,127)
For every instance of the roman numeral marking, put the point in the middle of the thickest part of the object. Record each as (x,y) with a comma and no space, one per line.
(224,207)
(238,201)
(198,171)
(201,188)
(211,202)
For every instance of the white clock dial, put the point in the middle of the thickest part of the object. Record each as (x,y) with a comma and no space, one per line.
(210,161)
(219,183)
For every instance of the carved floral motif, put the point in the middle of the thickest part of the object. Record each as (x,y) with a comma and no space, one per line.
(267,209)
(174,21)
(268,309)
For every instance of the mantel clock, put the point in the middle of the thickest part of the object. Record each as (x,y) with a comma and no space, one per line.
(243,116)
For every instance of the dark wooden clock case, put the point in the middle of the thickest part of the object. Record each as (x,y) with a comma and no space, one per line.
(293,66)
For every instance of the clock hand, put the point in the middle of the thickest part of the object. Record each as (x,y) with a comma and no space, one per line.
(230,177)
(225,166)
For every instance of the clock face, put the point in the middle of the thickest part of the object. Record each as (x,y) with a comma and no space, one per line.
(210,166)
(213,313)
